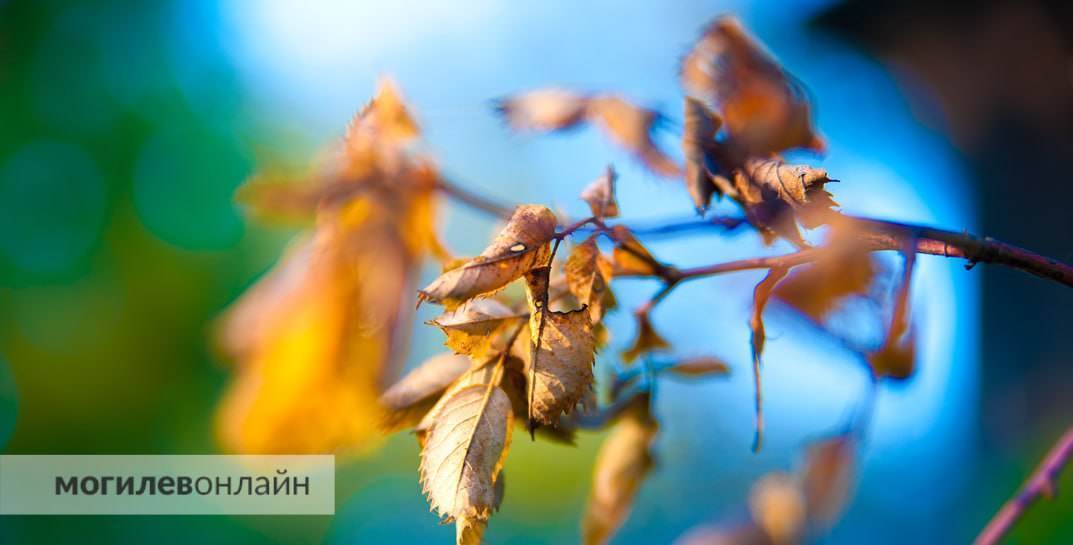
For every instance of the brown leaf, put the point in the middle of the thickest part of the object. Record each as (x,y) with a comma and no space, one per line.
(621,466)
(775,194)
(562,353)
(819,288)
(480,373)
(699,147)
(408,400)
(631,127)
(588,276)
(777,506)
(895,359)
(600,195)
(463,456)
(543,110)
(765,110)
(471,327)
(629,257)
(646,341)
(827,478)
(756,324)
(700,367)
(522,245)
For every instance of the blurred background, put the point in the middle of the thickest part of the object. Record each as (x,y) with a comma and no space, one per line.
(125,128)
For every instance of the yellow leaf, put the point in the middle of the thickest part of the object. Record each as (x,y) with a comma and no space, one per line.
(408,400)
(522,245)
(819,288)
(588,276)
(621,466)
(559,368)
(600,195)
(463,456)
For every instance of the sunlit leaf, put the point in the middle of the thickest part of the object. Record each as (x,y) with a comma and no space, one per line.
(463,455)
(588,276)
(621,467)
(600,195)
(522,245)
(559,368)
(646,341)
(407,401)
(778,507)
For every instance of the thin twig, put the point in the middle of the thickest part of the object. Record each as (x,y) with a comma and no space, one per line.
(474,200)
(1042,483)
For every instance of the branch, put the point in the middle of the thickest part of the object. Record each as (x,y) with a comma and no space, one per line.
(474,200)
(1042,483)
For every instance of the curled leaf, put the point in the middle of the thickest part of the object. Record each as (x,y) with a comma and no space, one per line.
(765,109)
(588,277)
(621,466)
(520,246)
(561,356)
(409,399)
(600,195)
(463,456)
(646,341)
(699,147)
(895,358)
(543,109)
(471,327)
(775,195)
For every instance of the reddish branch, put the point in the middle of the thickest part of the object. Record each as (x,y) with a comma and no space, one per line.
(1042,483)
(877,235)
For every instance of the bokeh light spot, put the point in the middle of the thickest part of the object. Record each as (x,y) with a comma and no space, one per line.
(52,206)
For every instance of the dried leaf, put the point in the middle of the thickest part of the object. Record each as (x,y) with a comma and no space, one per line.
(700,367)
(699,147)
(543,110)
(629,257)
(600,195)
(463,456)
(408,400)
(819,288)
(897,355)
(765,110)
(777,506)
(895,359)
(471,327)
(646,341)
(522,245)
(756,324)
(559,368)
(827,478)
(588,276)
(631,127)
(621,467)
(480,373)
(775,194)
